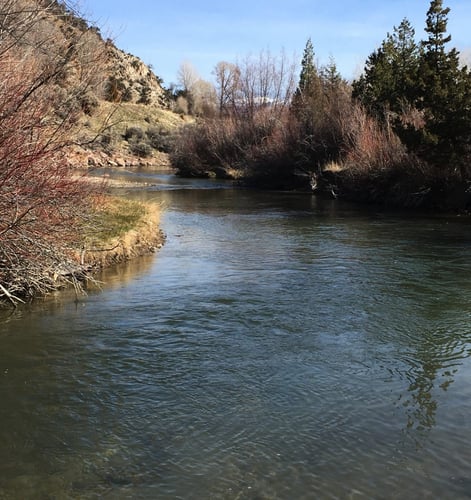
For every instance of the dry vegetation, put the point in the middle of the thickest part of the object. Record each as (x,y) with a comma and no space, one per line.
(46,79)
(52,67)
(128,134)
(399,135)
(269,133)
(119,230)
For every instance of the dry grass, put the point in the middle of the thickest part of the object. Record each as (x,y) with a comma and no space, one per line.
(102,138)
(116,118)
(120,230)
(333,167)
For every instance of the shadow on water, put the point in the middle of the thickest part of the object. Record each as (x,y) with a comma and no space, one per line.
(117,276)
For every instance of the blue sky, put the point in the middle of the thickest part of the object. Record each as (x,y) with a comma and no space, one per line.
(166,33)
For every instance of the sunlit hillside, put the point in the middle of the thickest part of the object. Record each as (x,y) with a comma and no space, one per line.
(125,112)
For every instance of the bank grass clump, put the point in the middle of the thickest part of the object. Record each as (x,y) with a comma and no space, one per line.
(118,230)
(113,217)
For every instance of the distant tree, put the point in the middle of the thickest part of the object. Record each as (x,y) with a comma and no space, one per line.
(308,76)
(318,107)
(204,98)
(187,76)
(266,82)
(309,85)
(181,105)
(436,26)
(227,83)
(330,75)
(308,95)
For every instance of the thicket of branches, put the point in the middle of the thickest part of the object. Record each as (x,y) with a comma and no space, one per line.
(402,130)
(47,71)
(270,130)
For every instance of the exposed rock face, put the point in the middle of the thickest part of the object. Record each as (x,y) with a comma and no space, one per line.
(130,80)
(123,92)
(126,78)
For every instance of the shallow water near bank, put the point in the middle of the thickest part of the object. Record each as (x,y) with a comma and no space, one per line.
(278,346)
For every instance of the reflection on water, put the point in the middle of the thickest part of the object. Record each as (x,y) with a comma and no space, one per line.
(278,346)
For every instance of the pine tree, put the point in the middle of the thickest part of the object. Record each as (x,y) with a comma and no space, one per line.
(309,89)
(422,91)
(311,106)
(330,76)
(308,75)
(308,100)
(437,21)
(389,79)
(446,94)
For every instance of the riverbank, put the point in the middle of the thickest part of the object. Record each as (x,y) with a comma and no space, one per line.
(409,188)
(79,158)
(121,230)
(115,230)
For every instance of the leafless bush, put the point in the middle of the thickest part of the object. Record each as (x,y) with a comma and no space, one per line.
(256,82)
(371,148)
(269,136)
(253,98)
(44,77)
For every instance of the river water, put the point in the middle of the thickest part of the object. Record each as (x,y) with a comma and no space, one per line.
(277,347)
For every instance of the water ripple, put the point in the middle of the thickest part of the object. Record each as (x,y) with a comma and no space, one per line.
(275,348)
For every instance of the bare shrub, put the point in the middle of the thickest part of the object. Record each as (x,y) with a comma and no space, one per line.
(140,148)
(181,105)
(44,79)
(371,148)
(135,133)
(377,166)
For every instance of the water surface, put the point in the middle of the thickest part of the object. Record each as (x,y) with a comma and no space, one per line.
(278,346)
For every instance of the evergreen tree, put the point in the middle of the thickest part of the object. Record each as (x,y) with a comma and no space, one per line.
(389,78)
(330,77)
(308,75)
(436,22)
(445,89)
(309,89)
(422,91)
(320,99)
(307,103)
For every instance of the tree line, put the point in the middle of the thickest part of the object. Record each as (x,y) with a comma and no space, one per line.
(399,134)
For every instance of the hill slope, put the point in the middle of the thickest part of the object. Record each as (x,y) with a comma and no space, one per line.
(57,106)
(125,112)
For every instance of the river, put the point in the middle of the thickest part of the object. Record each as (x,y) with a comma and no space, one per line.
(277,347)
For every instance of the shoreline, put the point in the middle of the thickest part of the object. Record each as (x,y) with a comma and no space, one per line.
(102,246)
(144,239)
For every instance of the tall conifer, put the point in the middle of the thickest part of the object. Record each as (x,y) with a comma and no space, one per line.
(446,94)
(389,79)
(308,92)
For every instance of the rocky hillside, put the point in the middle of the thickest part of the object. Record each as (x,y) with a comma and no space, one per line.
(126,114)
(130,80)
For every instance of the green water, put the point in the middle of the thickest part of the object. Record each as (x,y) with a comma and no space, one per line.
(276,347)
